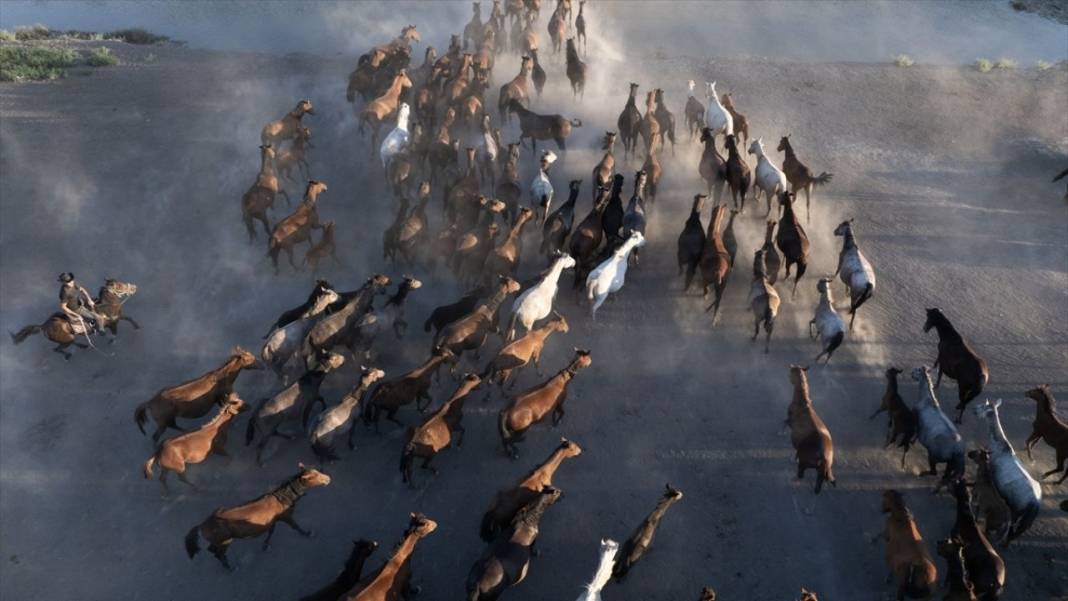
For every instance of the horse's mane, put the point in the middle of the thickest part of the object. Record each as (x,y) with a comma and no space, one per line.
(288,493)
(531,513)
(941,321)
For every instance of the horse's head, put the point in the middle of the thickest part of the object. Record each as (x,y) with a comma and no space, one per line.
(326,361)
(304,106)
(921,373)
(403,111)
(798,375)
(410,34)
(566,261)
(558,323)
(410,283)
(784,143)
(119,289)
(706,135)
(730,143)
(314,189)
(402,77)
(893,501)
(234,404)
(845,228)
(420,525)
(508,285)
(987,409)
(892,372)
(574,185)
(757,146)
(950,549)
(636,239)
(582,359)
(311,477)
(707,594)
(823,285)
(245,359)
(378,282)
(362,549)
(1039,393)
(370,375)
(671,493)
(446,355)
(807,595)
(786,199)
(934,317)
(961,491)
(981,457)
(710,90)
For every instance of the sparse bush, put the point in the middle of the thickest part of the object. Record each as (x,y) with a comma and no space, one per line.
(904,60)
(137,35)
(149,58)
(32,32)
(1042,65)
(101,57)
(1005,63)
(7,36)
(77,34)
(20,63)
(983,65)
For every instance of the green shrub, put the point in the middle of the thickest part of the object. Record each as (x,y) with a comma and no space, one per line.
(904,60)
(7,36)
(101,57)
(983,65)
(137,35)
(20,63)
(1042,65)
(1005,63)
(33,32)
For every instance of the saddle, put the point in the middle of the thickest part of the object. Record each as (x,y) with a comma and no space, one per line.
(78,327)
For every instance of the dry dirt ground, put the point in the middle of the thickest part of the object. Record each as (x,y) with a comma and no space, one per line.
(136,172)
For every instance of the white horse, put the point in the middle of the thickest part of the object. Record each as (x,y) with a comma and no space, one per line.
(769,178)
(1022,493)
(541,189)
(936,432)
(855,270)
(609,548)
(829,326)
(608,277)
(537,301)
(397,141)
(284,342)
(717,118)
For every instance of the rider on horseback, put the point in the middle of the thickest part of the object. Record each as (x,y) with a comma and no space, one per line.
(78,305)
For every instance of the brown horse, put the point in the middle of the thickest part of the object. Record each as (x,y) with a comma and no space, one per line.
(412,387)
(435,433)
(604,170)
(809,435)
(392,581)
(325,247)
(542,127)
(958,586)
(666,119)
(629,122)
(907,557)
(252,519)
(349,575)
(712,167)
(739,177)
(799,175)
(381,109)
(587,237)
(635,547)
(651,168)
(59,329)
(957,360)
(985,568)
(507,502)
(576,70)
(1049,427)
(534,405)
(518,89)
(772,261)
(260,197)
(557,30)
(990,506)
(504,260)
(691,242)
(193,399)
(791,239)
(505,562)
(286,128)
(296,156)
(763,300)
(715,263)
(469,332)
(518,353)
(297,226)
(741,123)
(649,126)
(175,454)
(901,428)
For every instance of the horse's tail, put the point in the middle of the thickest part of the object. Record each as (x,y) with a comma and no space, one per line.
(24,333)
(192,546)
(488,529)
(141,416)
(915,584)
(407,455)
(822,178)
(151,461)
(502,426)
(250,431)
(1025,521)
(576,123)
(863,298)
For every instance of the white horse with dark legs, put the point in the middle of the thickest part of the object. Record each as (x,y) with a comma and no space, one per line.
(769,178)
(855,270)
(1022,493)
(936,432)
(397,141)
(284,342)
(717,117)
(536,302)
(609,548)
(827,324)
(541,189)
(608,277)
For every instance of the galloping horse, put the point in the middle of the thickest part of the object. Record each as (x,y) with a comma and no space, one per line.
(957,360)
(59,329)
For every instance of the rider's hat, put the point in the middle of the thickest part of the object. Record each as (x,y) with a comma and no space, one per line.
(66,277)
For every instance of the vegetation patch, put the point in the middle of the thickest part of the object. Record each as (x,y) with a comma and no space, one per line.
(32,32)
(983,65)
(137,35)
(22,63)
(1005,63)
(1042,65)
(904,60)
(101,57)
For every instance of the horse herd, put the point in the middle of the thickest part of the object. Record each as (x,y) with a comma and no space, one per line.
(437,106)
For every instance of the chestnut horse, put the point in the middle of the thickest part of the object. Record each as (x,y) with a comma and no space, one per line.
(435,434)
(534,405)
(296,227)
(1049,427)
(906,554)
(350,574)
(252,519)
(808,434)
(392,581)
(507,502)
(58,328)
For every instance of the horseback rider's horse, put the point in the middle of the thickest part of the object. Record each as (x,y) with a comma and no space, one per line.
(60,329)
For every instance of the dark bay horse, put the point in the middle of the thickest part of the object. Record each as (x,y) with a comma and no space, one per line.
(58,328)
(956,360)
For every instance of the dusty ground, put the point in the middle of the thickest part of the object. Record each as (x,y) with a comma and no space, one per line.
(136,172)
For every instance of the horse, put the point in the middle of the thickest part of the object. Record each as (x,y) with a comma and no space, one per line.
(576,70)
(856,272)
(694,112)
(518,353)
(297,227)
(392,581)
(957,360)
(349,575)
(769,178)
(507,502)
(541,188)
(799,176)
(827,325)
(763,300)
(1021,492)
(469,332)
(985,567)
(435,433)
(958,586)
(907,557)
(712,166)
(537,73)
(379,109)
(608,551)
(772,260)
(612,217)
(557,30)
(536,302)
(587,237)
(286,128)
(635,547)
(740,122)
(995,513)
(411,387)
(605,169)
(935,432)
(791,239)
(629,122)
(324,248)
(338,420)
(341,326)
(649,127)
(59,329)
(739,178)
(260,196)
(580,27)
(901,426)
(291,403)
(397,141)
(175,454)
(542,127)
(691,242)
(634,217)
(717,118)
(533,406)
(608,277)
(504,259)
(557,226)
(665,117)
(252,519)
(193,399)
(506,561)
(290,329)
(518,89)
(808,434)
(296,156)
(651,167)
(1049,427)
(715,263)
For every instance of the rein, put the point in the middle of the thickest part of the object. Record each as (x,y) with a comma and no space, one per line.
(290,492)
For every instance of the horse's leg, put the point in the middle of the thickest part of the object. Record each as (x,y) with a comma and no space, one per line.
(62,350)
(426,465)
(768,327)
(270,533)
(181,476)
(1032,440)
(287,517)
(135,325)
(163,481)
(808,203)
(219,551)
